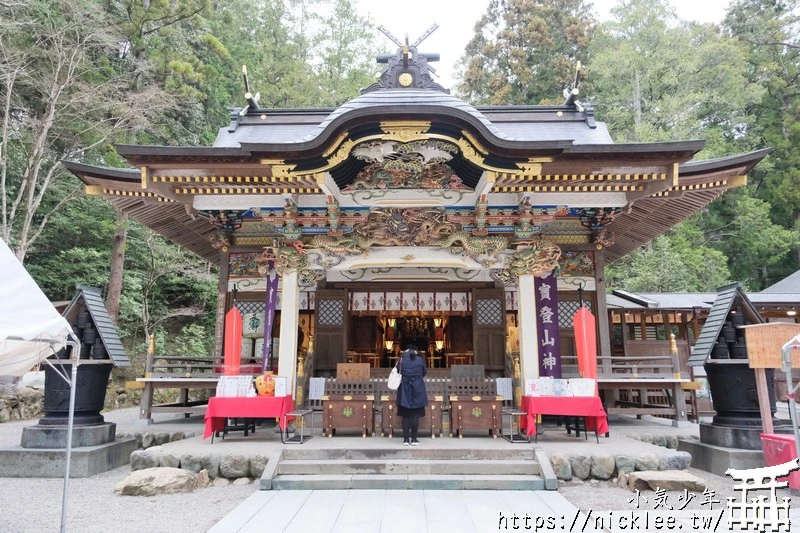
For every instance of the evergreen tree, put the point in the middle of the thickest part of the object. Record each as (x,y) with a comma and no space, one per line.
(525,51)
(770,31)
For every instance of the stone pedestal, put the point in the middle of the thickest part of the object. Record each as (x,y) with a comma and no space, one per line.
(45,437)
(717,459)
(85,462)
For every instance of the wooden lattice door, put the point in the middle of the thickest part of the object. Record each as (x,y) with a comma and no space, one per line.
(489,328)
(330,344)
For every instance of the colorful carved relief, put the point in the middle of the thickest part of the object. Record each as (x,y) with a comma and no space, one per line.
(224,220)
(480,217)
(412,165)
(598,217)
(340,246)
(290,229)
(308,277)
(405,227)
(285,255)
(577,264)
(603,238)
(244,265)
(538,258)
(220,241)
(332,207)
(482,249)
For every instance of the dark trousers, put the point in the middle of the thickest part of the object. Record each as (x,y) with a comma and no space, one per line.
(410,425)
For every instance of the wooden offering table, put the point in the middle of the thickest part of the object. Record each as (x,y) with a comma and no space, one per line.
(476,412)
(346,411)
(391,421)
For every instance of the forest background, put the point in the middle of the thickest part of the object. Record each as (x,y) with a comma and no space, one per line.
(78,76)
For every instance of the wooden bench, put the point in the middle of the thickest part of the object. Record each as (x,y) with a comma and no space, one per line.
(182,373)
(638,405)
(641,385)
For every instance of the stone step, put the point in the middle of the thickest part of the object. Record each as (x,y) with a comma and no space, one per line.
(407,481)
(410,466)
(514,452)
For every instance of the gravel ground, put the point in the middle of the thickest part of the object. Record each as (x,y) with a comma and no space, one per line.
(608,496)
(34,506)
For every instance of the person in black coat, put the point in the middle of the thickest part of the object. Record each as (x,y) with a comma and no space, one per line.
(411,395)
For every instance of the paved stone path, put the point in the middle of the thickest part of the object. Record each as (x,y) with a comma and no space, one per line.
(389,511)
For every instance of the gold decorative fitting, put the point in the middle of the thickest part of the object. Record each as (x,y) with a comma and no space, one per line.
(144,177)
(335,144)
(93,190)
(348,398)
(272,162)
(412,130)
(534,165)
(737,181)
(405,79)
(469,152)
(283,171)
(340,155)
(476,398)
(474,142)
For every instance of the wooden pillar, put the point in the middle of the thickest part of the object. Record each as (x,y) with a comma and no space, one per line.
(602,311)
(528,335)
(222,293)
(695,325)
(763,400)
(290,315)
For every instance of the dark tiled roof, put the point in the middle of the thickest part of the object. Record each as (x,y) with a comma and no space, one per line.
(512,123)
(93,300)
(789,284)
(727,297)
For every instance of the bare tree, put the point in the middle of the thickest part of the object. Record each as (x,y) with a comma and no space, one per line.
(64,92)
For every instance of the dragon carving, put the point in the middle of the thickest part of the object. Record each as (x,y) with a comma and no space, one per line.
(474,247)
(346,245)
(538,259)
(286,256)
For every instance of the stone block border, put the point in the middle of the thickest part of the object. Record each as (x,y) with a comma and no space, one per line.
(665,441)
(219,466)
(149,439)
(604,466)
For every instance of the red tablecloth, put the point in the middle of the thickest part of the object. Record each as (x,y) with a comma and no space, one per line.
(220,408)
(589,407)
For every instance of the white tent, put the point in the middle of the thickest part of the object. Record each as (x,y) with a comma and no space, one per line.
(31,330)
(30,327)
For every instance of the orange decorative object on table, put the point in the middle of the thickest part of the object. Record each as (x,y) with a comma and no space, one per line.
(265,384)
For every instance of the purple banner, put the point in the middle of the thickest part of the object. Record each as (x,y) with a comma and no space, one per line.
(269,315)
(549,342)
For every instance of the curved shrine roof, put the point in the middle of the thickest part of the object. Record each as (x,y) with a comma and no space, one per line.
(508,123)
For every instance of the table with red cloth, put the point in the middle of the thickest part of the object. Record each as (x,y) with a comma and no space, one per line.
(589,407)
(220,408)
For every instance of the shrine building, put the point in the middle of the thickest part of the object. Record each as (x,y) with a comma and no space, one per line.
(407,216)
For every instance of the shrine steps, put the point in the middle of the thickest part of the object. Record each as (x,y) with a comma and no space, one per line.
(410,468)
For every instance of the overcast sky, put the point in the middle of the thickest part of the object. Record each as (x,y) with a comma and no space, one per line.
(456,19)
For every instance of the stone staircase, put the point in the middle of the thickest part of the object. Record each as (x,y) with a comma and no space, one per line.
(413,468)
